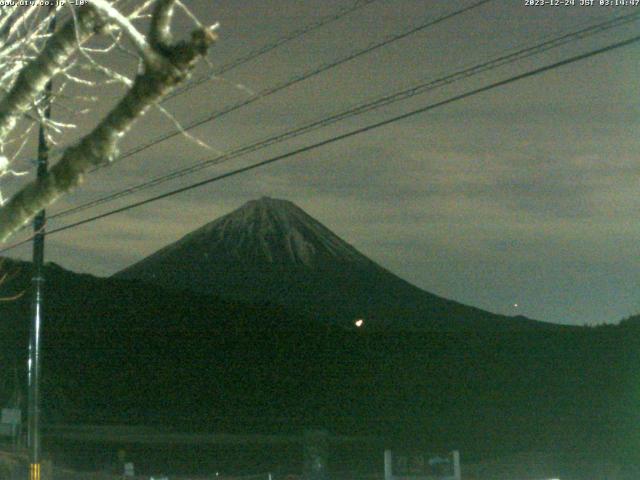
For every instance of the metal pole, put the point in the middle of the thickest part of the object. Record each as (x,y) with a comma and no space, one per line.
(37,281)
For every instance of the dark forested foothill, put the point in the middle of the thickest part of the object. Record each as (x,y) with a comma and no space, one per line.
(120,351)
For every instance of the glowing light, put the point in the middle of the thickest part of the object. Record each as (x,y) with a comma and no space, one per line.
(515,305)
(359,322)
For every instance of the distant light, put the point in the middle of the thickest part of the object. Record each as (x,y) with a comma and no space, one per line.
(516,306)
(359,322)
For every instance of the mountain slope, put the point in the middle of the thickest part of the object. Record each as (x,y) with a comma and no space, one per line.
(118,351)
(271,250)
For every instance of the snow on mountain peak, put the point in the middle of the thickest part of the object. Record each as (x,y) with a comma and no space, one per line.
(271,230)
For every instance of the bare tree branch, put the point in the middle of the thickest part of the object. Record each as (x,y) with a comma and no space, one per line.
(171,66)
(160,32)
(112,14)
(33,77)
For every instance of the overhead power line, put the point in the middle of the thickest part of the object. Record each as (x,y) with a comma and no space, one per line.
(297,79)
(370,127)
(261,51)
(362,108)
(270,46)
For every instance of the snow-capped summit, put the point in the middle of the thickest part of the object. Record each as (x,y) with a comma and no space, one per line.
(270,230)
(270,250)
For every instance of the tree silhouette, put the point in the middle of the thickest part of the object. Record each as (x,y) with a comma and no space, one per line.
(30,57)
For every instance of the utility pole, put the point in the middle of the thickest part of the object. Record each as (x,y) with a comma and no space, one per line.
(37,283)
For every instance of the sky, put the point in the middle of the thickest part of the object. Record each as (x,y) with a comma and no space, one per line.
(520,200)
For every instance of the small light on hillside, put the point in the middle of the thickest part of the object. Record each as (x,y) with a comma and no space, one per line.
(359,322)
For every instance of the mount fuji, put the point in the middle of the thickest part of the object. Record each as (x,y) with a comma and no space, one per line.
(271,251)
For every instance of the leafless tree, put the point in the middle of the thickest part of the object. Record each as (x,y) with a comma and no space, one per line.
(31,56)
